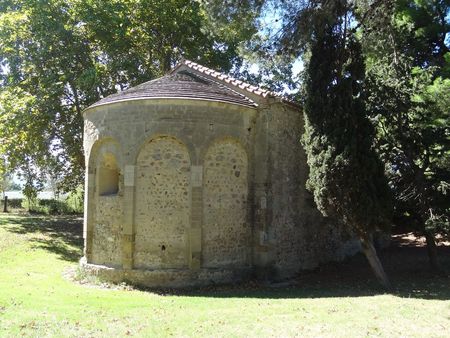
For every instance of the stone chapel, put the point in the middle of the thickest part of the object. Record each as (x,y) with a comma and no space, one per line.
(198,178)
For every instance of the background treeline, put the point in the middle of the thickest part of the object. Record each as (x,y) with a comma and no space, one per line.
(46,206)
(72,203)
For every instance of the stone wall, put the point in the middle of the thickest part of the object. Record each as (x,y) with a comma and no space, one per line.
(162,204)
(107,232)
(226,232)
(205,187)
(301,238)
(107,209)
(167,152)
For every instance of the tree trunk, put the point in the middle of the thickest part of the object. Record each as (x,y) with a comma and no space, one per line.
(374,261)
(432,251)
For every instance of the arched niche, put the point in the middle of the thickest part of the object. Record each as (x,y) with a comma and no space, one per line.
(226,233)
(162,212)
(105,204)
(108,175)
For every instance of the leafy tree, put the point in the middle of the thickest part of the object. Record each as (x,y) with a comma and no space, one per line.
(409,97)
(14,186)
(5,181)
(58,57)
(255,26)
(19,125)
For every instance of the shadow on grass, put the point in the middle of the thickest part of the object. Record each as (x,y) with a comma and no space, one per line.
(62,235)
(407,268)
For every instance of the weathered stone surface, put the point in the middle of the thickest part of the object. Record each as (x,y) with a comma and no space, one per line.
(226,232)
(200,191)
(107,232)
(162,204)
(301,238)
(169,278)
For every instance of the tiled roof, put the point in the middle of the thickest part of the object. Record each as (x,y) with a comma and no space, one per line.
(200,84)
(244,86)
(228,79)
(181,84)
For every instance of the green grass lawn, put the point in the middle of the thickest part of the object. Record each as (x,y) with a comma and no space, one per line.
(338,300)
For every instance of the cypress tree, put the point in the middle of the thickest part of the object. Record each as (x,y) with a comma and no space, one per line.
(346,176)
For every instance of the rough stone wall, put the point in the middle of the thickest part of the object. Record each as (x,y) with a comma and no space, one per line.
(107,232)
(107,210)
(301,237)
(193,125)
(162,204)
(281,225)
(226,232)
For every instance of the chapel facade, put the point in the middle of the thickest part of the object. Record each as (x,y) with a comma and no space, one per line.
(198,178)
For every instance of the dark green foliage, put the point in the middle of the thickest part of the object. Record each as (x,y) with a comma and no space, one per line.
(71,204)
(409,99)
(55,207)
(426,24)
(346,176)
(14,203)
(67,206)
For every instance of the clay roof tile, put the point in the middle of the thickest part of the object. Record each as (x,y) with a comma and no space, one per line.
(180,83)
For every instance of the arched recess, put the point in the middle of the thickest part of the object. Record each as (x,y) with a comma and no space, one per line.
(108,175)
(162,214)
(105,204)
(226,233)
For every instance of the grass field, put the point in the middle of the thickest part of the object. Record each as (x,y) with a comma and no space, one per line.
(37,299)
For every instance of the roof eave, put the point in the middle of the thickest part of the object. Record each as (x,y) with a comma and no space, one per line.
(181,98)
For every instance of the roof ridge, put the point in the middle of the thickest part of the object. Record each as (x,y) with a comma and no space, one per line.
(235,82)
(226,78)
(228,88)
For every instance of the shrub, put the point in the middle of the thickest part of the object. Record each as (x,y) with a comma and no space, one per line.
(75,201)
(14,203)
(70,204)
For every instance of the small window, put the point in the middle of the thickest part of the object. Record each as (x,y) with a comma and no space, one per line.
(108,176)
